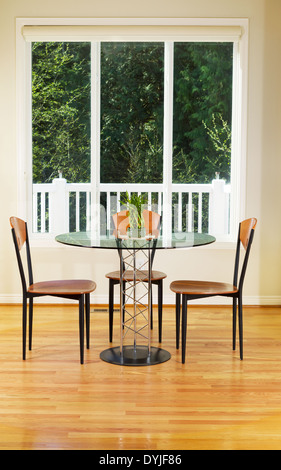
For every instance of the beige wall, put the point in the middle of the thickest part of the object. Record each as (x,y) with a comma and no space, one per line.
(263,151)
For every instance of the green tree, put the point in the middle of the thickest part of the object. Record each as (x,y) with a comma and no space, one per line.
(203,89)
(220,135)
(61,111)
(132,91)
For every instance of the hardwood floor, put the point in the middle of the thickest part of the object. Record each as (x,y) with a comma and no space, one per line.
(214,401)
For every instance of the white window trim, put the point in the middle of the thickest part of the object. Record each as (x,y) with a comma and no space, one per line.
(240,80)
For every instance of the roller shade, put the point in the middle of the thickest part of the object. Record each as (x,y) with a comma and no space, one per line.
(131,33)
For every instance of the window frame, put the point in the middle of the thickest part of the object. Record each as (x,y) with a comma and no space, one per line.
(239,112)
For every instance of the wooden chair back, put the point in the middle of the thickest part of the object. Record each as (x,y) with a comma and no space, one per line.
(120,222)
(19,227)
(245,237)
(245,231)
(20,237)
(152,222)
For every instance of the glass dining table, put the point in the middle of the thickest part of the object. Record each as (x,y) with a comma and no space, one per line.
(136,257)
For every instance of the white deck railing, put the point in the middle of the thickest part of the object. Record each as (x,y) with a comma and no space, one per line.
(60,207)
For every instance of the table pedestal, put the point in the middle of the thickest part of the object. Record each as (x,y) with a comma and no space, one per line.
(135,356)
(135,318)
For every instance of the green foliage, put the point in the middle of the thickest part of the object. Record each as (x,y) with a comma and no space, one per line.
(220,135)
(203,89)
(61,111)
(132,92)
(135,205)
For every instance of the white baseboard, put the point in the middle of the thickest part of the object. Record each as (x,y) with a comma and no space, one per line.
(167,300)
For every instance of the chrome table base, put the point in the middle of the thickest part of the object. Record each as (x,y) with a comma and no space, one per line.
(135,317)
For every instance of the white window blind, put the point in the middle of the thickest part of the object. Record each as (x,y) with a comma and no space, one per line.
(49,33)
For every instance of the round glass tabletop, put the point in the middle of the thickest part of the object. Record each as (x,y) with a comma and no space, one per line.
(109,241)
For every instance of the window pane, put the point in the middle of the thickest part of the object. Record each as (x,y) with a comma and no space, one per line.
(202,111)
(132,92)
(61,90)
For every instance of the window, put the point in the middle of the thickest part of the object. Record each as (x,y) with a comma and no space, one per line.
(158,113)
(132,105)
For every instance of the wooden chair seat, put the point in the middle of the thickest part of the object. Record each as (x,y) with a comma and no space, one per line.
(141,276)
(65,287)
(202,288)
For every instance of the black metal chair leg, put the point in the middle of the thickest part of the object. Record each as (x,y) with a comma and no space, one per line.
(160,308)
(81,328)
(240,317)
(184,323)
(151,303)
(111,288)
(30,321)
(87,298)
(24,312)
(234,321)
(178,306)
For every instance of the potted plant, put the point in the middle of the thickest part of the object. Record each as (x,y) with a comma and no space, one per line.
(135,205)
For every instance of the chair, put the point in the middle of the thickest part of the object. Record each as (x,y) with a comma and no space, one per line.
(152,222)
(70,289)
(190,290)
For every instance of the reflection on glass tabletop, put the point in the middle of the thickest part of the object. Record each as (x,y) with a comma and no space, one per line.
(108,240)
